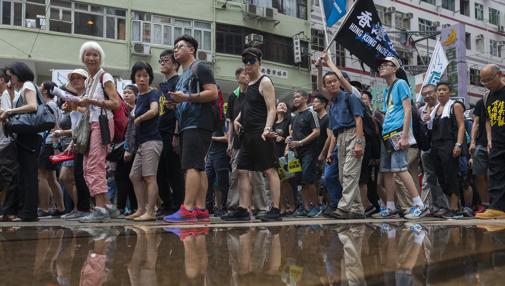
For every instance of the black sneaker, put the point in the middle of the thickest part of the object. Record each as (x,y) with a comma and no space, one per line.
(370,211)
(452,214)
(55,213)
(339,214)
(43,214)
(273,215)
(240,214)
(328,211)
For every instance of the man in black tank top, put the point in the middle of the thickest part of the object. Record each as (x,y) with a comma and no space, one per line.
(254,124)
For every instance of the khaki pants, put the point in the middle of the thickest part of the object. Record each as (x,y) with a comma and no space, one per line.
(352,241)
(349,169)
(402,195)
(258,187)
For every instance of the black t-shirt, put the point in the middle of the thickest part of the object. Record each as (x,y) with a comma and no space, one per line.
(147,130)
(323,135)
(234,107)
(193,114)
(254,109)
(480,112)
(218,147)
(168,117)
(495,113)
(302,125)
(282,129)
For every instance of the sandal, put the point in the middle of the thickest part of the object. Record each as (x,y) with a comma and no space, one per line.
(145,217)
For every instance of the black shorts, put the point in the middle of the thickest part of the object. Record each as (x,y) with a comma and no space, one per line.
(255,154)
(194,146)
(366,170)
(45,151)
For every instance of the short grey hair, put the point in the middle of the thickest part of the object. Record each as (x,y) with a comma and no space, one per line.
(92,45)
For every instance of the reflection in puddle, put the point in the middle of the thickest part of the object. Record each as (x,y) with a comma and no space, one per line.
(358,254)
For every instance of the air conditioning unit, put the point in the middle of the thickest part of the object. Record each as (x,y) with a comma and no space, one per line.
(501,29)
(391,10)
(141,49)
(270,13)
(479,37)
(254,10)
(409,15)
(254,38)
(438,3)
(435,24)
(204,56)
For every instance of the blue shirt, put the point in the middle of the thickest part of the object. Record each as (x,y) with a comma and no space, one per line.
(394,107)
(343,108)
(147,130)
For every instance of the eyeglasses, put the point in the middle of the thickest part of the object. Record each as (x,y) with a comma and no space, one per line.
(180,46)
(426,93)
(164,60)
(249,61)
(383,66)
(488,80)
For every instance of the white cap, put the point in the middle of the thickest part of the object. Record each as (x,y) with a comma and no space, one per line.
(80,72)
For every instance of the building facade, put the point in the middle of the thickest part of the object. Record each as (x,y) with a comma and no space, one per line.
(484,22)
(47,34)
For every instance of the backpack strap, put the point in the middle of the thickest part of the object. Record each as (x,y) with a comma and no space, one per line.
(194,76)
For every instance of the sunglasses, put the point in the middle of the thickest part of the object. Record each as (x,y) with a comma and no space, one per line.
(249,61)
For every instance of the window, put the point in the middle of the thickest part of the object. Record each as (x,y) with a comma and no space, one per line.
(230,40)
(479,11)
(294,8)
(60,16)
(315,3)
(401,21)
(163,30)
(432,2)
(383,16)
(494,16)
(479,43)
(314,82)
(339,55)
(464,7)
(426,26)
(474,76)
(449,5)
(405,57)
(423,60)
(495,48)
(317,40)
(468,41)
(35,14)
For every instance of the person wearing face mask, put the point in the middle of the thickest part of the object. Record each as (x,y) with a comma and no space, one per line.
(440,204)
(447,139)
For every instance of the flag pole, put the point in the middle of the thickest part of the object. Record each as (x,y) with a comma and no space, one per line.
(341,23)
(323,15)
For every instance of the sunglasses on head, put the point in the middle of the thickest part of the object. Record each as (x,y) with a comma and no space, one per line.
(249,61)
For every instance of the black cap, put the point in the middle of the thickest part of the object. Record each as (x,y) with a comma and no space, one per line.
(257,53)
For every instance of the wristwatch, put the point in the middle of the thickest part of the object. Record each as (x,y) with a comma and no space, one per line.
(360,141)
(458,145)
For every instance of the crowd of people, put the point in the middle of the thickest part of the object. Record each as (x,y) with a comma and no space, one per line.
(173,153)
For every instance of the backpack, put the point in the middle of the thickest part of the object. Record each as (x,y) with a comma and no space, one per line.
(120,116)
(370,126)
(217,106)
(420,130)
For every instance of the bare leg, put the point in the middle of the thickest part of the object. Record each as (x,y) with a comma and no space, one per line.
(390,186)
(43,190)
(56,191)
(67,179)
(245,189)
(152,194)
(193,187)
(275,186)
(482,189)
(140,188)
(202,193)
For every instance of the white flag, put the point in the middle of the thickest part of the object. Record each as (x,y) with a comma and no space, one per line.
(437,66)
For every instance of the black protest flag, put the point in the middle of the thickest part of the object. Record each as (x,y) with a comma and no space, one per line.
(363,35)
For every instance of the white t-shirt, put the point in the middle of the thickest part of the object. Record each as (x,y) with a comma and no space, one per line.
(28,85)
(97,95)
(75,116)
(5,104)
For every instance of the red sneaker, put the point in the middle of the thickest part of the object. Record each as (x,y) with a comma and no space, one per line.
(202,215)
(183,215)
(480,209)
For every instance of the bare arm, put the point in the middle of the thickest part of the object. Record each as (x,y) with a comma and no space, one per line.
(345,84)
(151,113)
(489,135)
(30,106)
(112,100)
(221,139)
(267,90)
(324,152)
(208,94)
(333,142)
(407,110)
(475,130)
(460,120)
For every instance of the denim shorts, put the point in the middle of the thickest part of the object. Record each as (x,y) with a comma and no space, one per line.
(396,161)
